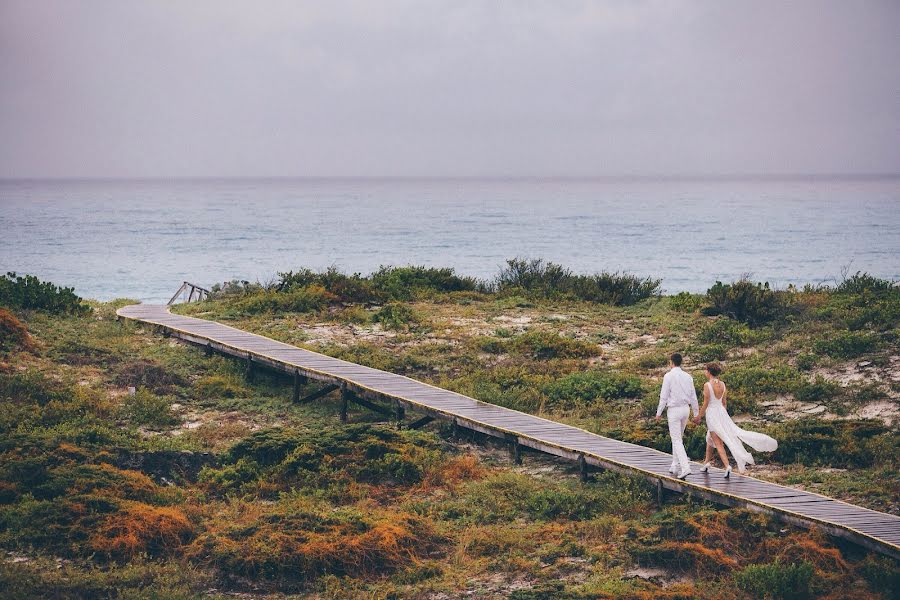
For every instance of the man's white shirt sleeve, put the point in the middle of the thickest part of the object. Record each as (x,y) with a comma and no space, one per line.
(664,393)
(694,403)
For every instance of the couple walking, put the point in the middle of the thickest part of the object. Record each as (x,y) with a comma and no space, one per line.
(678,397)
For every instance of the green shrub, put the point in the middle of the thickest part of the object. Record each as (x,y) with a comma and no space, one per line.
(848,345)
(515,387)
(686,302)
(710,352)
(777,580)
(818,390)
(304,299)
(806,361)
(546,345)
(491,345)
(29,292)
(882,574)
(777,379)
(219,386)
(345,288)
(845,444)
(329,462)
(745,301)
(148,374)
(146,408)
(587,386)
(861,283)
(652,360)
(401,283)
(395,316)
(506,497)
(548,279)
(725,331)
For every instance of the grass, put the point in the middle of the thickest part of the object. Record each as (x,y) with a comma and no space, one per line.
(204,481)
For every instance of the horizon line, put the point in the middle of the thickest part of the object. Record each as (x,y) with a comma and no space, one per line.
(473,177)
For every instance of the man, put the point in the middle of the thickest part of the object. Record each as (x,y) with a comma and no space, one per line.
(678,397)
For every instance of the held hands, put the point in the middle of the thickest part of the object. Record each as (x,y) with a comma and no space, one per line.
(697,420)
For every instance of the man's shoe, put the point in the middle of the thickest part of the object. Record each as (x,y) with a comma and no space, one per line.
(672,470)
(684,474)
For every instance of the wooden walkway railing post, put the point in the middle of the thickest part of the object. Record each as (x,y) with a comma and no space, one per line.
(202,293)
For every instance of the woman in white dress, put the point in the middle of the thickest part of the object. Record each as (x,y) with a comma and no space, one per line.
(721,430)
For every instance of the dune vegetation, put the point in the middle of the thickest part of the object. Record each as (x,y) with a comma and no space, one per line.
(201,483)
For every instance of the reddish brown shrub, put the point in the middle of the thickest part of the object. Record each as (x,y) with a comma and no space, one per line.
(298,540)
(13,334)
(454,471)
(142,529)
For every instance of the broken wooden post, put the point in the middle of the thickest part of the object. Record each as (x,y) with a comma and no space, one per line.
(296,396)
(660,493)
(208,349)
(345,398)
(399,414)
(582,467)
(249,373)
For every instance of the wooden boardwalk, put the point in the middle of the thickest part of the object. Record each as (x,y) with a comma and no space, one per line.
(871,529)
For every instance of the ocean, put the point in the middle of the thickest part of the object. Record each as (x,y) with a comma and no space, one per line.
(141,238)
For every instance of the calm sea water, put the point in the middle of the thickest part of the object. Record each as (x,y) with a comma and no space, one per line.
(140,239)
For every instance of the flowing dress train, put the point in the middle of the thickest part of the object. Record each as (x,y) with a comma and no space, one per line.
(734,438)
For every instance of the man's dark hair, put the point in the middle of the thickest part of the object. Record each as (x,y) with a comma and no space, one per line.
(676,359)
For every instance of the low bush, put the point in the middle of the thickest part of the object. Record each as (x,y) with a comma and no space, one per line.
(846,345)
(776,580)
(757,381)
(402,283)
(862,283)
(29,292)
(13,334)
(547,345)
(745,301)
(305,299)
(580,388)
(818,390)
(844,444)
(147,409)
(335,463)
(709,352)
(299,539)
(515,387)
(141,529)
(806,361)
(219,386)
(345,288)
(652,360)
(395,316)
(727,332)
(548,279)
(506,497)
(147,374)
(686,302)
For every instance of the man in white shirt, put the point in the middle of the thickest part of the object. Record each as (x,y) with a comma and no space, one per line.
(677,398)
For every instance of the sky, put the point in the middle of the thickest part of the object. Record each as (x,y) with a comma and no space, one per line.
(216,88)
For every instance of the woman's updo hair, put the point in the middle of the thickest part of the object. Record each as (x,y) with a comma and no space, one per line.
(714,368)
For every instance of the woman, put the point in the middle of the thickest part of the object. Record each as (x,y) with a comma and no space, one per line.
(721,430)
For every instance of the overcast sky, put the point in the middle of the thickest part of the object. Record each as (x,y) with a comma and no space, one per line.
(123,88)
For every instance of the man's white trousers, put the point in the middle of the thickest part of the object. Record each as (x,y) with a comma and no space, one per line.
(678,418)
